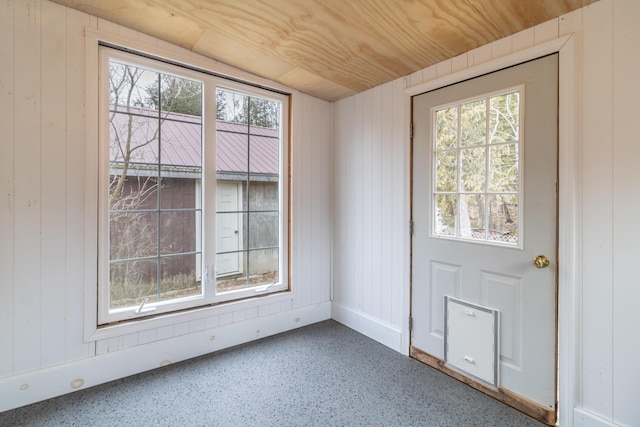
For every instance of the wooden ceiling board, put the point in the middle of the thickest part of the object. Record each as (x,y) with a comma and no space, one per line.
(315,85)
(143,16)
(240,55)
(329,48)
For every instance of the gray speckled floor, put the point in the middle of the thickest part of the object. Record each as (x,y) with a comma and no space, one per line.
(320,375)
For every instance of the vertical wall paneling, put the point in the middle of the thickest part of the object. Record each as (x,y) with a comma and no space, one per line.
(358,201)
(597,201)
(459,62)
(482,54)
(370,150)
(523,39)
(348,184)
(386,192)
(307,186)
(107,26)
(367,191)
(626,203)
(27,133)
(400,185)
(341,193)
(297,208)
(53,183)
(376,203)
(74,184)
(501,48)
(546,31)
(7,190)
(321,214)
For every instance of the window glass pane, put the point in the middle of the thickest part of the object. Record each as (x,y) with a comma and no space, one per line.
(446,171)
(263,114)
(464,136)
(248,171)
(232,151)
(180,276)
(180,96)
(231,231)
(178,231)
(503,218)
(503,165)
(264,194)
(130,89)
(236,277)
(132,191)
(155,161)
(446,128)
(473,123)
(446,210)
(231,106)
(504,122)
(130,282)
(133,235)
(133,140)
(180,193)
(472,216)
(263,229)
(264,156)
(473,169)
(263,267)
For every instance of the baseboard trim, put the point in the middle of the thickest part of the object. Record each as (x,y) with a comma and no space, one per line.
(373,328)
(516,401)
(44,384)
(584,418)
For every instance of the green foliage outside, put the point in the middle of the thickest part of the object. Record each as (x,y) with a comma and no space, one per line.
(476,168)
(183,96)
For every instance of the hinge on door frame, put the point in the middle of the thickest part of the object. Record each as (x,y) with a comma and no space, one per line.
(410,227)
(411,130)
(410,323)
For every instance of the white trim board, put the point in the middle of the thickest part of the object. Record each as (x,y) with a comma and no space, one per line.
(44,384)
(584,418)
(569,166)
(370,327)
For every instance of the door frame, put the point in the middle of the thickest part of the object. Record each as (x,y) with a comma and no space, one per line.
(569,200)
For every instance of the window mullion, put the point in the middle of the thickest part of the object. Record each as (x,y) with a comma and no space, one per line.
(487,166)
(159,193)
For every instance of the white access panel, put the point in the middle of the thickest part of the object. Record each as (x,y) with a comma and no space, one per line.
(472,339)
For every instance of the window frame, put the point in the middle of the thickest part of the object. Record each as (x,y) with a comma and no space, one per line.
(209,298)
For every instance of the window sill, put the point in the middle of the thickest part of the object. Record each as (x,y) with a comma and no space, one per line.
(168,319)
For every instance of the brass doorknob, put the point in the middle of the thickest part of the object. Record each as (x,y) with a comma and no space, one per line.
(541,261)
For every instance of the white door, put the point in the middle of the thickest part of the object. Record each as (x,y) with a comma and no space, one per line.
(229,228)
(484,205)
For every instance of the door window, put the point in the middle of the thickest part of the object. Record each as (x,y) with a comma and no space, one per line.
(477,169)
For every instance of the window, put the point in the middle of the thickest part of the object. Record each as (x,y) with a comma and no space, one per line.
(476,166)
(193,189)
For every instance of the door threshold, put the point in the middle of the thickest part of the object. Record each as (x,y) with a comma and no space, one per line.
(522,404)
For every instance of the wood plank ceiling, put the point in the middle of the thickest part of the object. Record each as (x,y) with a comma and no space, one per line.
(328,48)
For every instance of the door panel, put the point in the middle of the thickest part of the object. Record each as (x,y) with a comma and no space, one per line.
(495,275)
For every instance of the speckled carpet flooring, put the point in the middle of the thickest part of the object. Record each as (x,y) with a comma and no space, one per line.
(320,375)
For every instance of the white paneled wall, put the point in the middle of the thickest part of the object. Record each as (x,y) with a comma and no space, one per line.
(371,216)
(598,382)
(42,220)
